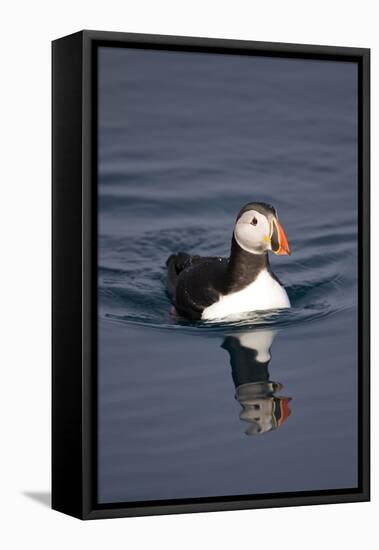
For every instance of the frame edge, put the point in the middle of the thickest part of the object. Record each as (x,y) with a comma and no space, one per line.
(67,475)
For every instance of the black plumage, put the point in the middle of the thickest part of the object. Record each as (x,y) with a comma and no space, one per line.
(196,282)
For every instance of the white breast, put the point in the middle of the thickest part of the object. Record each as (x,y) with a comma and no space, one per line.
(262,294)
(258,340)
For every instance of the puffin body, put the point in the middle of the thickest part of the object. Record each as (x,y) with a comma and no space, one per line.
(211,288)
(264,293)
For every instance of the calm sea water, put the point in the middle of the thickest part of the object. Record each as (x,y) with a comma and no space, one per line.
(190,409)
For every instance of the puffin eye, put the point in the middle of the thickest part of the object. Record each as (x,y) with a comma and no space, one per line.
(254,221)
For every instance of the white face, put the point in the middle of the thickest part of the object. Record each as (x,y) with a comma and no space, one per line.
(253,232)
(259,412)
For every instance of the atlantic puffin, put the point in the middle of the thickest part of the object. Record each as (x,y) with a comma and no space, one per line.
(211,288)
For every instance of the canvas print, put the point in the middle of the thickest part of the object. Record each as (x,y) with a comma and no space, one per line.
(227,275)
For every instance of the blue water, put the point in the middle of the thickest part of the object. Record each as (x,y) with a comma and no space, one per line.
(186,139)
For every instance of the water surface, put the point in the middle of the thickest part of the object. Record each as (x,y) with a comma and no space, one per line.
(184,141)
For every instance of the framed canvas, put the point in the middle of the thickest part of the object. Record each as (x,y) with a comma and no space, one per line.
(210,275)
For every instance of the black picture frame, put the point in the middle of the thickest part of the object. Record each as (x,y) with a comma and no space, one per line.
(74,294)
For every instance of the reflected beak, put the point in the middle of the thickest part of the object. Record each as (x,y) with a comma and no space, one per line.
(285,410)
(279,243)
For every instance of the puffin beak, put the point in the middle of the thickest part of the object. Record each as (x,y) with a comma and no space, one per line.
(285,410)
(279,243)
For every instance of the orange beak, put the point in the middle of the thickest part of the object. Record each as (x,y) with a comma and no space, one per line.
(285,410)
(281,240)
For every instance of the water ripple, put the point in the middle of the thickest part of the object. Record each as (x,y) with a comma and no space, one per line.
(132,278)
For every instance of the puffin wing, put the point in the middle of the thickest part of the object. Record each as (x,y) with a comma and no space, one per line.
(175,265)
(195,282)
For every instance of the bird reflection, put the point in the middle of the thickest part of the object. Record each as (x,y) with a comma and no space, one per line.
(250,357)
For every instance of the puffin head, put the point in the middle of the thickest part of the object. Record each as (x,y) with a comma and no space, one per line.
(258,230)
